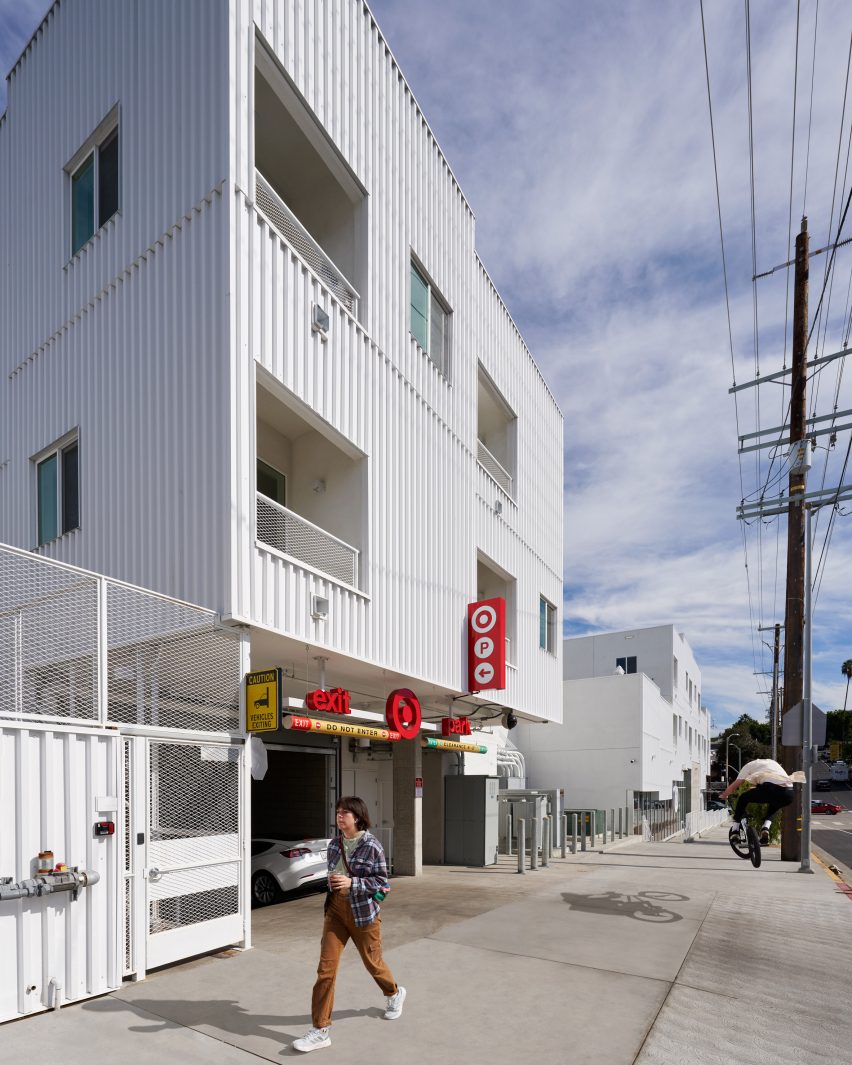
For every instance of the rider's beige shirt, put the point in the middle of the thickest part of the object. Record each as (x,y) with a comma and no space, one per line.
(762,770)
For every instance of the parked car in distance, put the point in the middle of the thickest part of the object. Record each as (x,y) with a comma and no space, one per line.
(823,784)
(716,804)
(821,806)
(279,865)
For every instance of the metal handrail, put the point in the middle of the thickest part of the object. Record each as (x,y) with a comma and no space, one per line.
(279,215)
(293,535)
(494,468)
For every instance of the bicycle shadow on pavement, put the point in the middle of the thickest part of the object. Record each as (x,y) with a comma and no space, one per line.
(643,906)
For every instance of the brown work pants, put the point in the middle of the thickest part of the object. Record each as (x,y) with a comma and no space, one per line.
(339,927)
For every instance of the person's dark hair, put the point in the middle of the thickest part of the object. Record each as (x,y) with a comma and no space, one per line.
(358,808)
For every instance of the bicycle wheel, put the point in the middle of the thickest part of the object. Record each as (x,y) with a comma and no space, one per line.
(739,848)
(753,847)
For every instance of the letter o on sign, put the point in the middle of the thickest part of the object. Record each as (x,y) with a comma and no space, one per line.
(403,713)
(484,619)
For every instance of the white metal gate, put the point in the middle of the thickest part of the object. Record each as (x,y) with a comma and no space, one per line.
(192,870)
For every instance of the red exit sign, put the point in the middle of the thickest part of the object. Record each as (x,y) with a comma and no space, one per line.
(455,726)
(334,701)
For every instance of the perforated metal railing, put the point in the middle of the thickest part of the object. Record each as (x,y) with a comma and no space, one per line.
(493,468)
(299,538)
(169,664)
(300,240)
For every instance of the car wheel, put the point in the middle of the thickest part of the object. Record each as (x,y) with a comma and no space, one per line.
(264,889)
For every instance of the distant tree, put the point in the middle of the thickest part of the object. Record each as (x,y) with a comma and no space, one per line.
(846,670)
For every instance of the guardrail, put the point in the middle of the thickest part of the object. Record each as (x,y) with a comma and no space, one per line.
(293,535)
(492,466)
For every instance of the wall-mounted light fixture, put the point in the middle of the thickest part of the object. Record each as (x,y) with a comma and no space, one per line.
(318,486)
(320,321)
(319,607)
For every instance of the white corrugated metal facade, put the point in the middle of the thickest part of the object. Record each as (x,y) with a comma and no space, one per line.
(152,340)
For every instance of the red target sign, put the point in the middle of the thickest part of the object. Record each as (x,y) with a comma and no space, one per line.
(486,645)
(403,714)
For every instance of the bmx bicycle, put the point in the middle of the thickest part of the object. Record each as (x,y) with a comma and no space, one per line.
(745,843)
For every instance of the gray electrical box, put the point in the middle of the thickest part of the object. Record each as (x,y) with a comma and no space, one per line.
(470,820)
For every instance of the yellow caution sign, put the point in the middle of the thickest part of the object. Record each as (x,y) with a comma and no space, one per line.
(452,745)
(263,699)
(338,728)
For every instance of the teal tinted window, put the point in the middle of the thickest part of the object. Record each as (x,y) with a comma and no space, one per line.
(542,624)
(108,178)
(48,524)
(271,483)
(70,489)
(83,204)
(419,309)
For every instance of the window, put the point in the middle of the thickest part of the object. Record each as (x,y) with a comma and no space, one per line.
(674,729)
(58,491)
(429,321)
(271,483)
(627,664)
(94,189)
(546,626)
(675,672)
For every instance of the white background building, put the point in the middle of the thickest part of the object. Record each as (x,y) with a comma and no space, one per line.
(251,359)
(639,732)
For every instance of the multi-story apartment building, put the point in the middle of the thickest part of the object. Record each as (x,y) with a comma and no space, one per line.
(252,360)
(633,723)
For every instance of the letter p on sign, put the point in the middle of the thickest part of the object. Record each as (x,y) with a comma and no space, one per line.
(486,644)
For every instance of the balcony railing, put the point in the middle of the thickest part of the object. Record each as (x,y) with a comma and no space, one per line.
(299,538)
(493,468)
(279,215)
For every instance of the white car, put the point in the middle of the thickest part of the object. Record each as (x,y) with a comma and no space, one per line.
(279,865)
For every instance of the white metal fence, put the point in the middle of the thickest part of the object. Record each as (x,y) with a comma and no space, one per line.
(494,468)
(700,820)
(293,535)
(75,646)
(300,240)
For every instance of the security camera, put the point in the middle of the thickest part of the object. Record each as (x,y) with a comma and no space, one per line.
(509,720)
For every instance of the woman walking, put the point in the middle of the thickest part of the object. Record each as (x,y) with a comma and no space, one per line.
(357,881)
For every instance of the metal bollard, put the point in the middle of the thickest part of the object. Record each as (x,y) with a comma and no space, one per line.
(534,843)
(620,823)
(583,827)
(612,826)
(565,835)
(593,827)
(522,845)
(574,834)
(545,840)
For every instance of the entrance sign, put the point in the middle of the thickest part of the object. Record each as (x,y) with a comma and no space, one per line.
(486,644)
(338,728)
(403,713)
(263,690)
(434,743)
(334,701)
(455,726)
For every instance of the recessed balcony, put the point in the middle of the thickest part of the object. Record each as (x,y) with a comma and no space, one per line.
(300,539)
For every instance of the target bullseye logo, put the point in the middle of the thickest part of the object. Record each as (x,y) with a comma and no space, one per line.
(403,713)
(486,644)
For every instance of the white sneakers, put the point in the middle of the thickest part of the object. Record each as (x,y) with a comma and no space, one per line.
(394,1004)
(313,1039)
(317,1038)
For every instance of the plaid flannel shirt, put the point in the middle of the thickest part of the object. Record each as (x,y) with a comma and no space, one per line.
(369,872)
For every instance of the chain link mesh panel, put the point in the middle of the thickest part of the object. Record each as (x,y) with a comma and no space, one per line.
(494,468)
(48,639)
(300,539)
(169,665)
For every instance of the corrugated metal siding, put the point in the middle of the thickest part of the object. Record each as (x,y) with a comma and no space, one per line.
(430,504)
(165,65)
(49,784)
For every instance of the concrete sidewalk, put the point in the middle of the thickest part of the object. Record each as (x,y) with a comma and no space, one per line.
(648,953)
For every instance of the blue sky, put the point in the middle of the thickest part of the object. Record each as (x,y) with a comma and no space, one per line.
(579,133)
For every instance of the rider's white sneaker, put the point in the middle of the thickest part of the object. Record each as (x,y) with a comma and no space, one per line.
(313,1039)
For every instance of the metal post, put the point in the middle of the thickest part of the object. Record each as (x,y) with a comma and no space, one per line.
(510,824)
(545,840)
(807,711)
(620,823)
(522,846)
(612,826)
(582,830)
(592,826)
(565,835)
(534,840)
(574,834)
(776,654)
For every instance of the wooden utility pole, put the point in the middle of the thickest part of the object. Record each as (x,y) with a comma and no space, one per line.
(794,616)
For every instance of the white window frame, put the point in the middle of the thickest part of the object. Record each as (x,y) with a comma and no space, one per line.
(442,364)
(57,450)
(91,147)
(550,625)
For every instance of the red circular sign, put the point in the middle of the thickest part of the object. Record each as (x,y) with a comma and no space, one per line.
(403,714)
